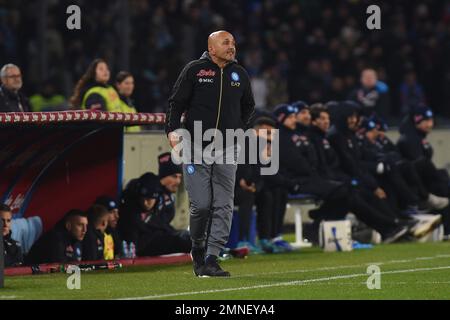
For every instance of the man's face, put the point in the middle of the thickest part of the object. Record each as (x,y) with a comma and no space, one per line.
(265,131)
(425,126)
(352,122)
(304,117)
(103,223)
(369,78)
(13,79)
(172,182)
(77,227)
(223,47)
(113,218)
(102,73)
(322,122)
(126,87)
(147,204)
(6,216)
(290,121)
(372,135)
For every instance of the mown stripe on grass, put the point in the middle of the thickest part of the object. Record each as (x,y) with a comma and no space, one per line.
(250,275)
(280,284)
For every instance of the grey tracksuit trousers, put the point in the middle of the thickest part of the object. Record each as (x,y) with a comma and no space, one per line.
(211,196)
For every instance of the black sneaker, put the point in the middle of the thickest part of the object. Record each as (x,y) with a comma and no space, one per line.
(198,260)
(211,268)
(395,234)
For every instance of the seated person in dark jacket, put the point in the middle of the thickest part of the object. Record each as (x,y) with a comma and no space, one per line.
(413,145)
(399,174)
(303,116)
(406,166)
(63,243)
(269,190)
(113,208)
(365,205)
(169,175)
(139,204)
(13,251)
(97,244)
(11,98)
(389,170)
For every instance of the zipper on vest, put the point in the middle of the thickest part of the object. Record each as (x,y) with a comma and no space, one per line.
(220,103)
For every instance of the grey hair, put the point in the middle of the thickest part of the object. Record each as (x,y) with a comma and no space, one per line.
(5,68)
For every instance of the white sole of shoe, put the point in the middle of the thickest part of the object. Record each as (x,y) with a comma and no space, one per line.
(426,227)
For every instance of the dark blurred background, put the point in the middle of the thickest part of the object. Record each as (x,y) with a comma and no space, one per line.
(313,50)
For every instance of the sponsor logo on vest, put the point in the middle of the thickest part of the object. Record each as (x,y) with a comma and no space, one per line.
(206,73)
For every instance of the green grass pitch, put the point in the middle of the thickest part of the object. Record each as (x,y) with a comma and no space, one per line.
(408,271)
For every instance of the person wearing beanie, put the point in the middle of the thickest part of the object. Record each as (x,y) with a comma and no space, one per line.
(388,152)
(170,176)
(414,146)
(362,169)
(397,176)
(414,130)
(139,206)
(355,198)
(303,116)
(112,205)
(337,196)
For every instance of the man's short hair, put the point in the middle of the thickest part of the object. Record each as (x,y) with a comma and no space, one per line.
(5,68)
(317,109)
(96,213)
(5,208)
(264,121)
(73,213)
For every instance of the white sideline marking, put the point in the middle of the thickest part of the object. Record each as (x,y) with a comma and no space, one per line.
(7,297)
(341,267)
(281,284)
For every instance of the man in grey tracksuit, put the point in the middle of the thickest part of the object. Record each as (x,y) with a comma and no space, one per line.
(216,91)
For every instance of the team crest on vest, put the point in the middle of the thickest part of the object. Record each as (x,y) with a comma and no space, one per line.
(235,78)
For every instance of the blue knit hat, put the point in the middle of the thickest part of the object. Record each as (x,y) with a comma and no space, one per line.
(282,111)
(422,113)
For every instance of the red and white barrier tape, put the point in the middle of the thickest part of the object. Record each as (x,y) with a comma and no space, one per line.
(82,116)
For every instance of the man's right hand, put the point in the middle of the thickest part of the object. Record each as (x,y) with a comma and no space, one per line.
(380,193)
(247,187)
(174,139)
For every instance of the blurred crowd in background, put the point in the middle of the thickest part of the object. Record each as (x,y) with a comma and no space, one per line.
(312,50)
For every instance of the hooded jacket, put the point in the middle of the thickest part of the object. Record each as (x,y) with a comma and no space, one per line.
(221,98)
(328,164)
(345,143)
(413,143)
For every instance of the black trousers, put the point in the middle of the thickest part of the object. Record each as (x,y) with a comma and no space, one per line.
(348,199)
(401,194)
(245,200)
(412,177)
(164,243)
(280,202)
(266,213)
(435,180)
